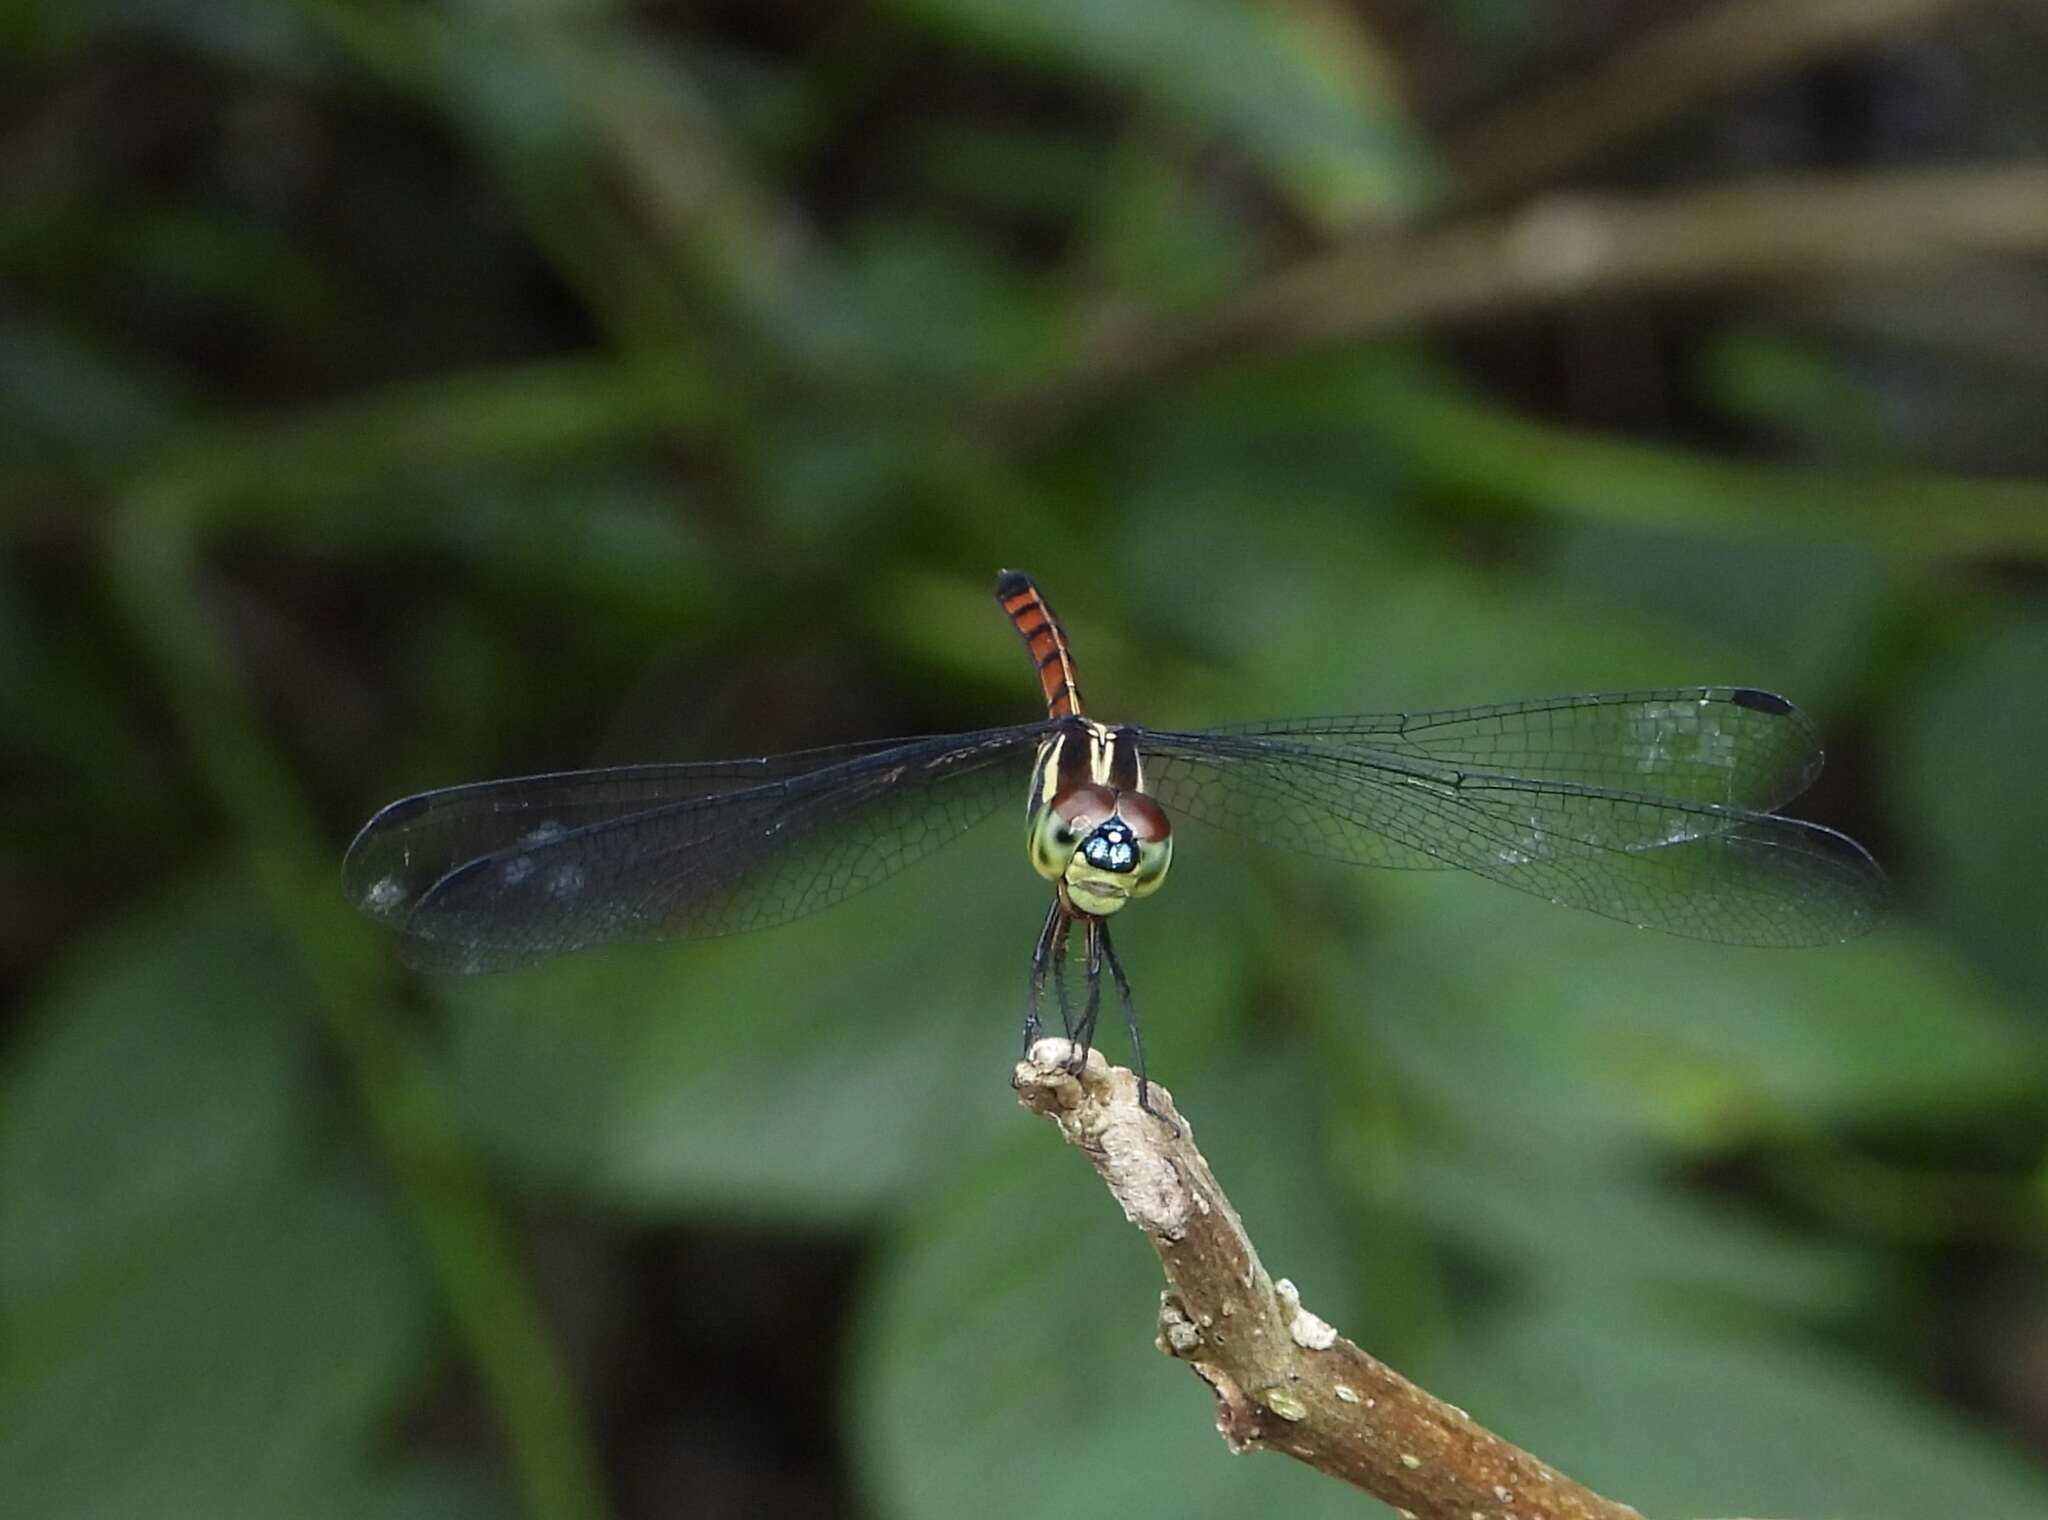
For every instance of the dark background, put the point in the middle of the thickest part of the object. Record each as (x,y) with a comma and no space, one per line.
(394,395)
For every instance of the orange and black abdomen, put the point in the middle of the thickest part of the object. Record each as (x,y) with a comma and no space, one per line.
(1046,640)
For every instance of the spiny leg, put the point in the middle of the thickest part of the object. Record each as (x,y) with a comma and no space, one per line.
(1041,958)
(1123,991)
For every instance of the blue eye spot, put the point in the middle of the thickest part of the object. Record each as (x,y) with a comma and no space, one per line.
(1112,847)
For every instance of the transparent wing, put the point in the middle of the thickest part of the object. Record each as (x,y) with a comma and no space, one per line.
(507,873)
(411,844)
(1731,745)
(1655,858)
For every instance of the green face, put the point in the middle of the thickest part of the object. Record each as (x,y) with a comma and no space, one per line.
(1109,847)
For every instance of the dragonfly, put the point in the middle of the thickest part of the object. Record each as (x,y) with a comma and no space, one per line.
(1655,808)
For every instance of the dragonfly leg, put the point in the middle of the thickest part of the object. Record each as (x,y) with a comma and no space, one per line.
(1059,975)
(1041,961)
(1084,1036)
(1123,992)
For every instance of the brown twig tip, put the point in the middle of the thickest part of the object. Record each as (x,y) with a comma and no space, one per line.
(1097,1111)
(1282,1377)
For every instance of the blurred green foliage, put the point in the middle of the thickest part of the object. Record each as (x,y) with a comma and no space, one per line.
(396,395)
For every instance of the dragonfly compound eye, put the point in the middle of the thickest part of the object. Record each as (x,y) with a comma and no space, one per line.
(1151,836)
(1060,827)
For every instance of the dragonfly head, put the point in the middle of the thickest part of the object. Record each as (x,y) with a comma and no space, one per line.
(1106,845)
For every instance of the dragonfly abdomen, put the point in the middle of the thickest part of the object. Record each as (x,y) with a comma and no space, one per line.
(1032,616)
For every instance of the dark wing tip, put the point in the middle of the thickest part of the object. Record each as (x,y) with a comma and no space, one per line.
(1760,701)
(1010,582)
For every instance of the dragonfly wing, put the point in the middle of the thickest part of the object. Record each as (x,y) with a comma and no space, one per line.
(1735,746)
(414,842)
(508,873)
(1704,870)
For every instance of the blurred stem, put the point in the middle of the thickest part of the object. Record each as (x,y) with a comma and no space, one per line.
(1472,450)
(626,286)
(747,247)
(1717,50)
(156,565)
(331,459)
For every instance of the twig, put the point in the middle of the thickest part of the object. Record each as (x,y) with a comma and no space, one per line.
(1569,247)
(1284,1380)
(1560,249)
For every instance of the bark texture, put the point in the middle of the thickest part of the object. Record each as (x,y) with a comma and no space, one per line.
(1284,1379)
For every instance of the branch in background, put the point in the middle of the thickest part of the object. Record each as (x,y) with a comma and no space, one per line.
(1283,1379)
(1723,48)
(1574,248)
(1570,247)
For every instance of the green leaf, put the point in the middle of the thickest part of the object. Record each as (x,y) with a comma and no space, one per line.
(167,1069)
(1334,604)
(813,1071)
(197,1324)
(1304,92)
(1553,1217)
(240,1373)
(924,303)
(1521,1018)
(1677,1422)
(1794,618)
(1804,391)
(420,1490)
(1968,791)
(1157,234)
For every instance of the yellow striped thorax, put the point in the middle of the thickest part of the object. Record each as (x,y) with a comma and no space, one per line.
(1089,825)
